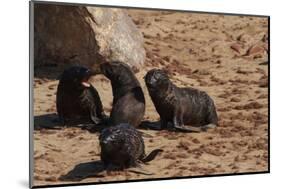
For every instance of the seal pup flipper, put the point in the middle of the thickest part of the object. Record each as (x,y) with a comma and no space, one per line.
(208,126)
(178,123)
(151,125)
(139,170)
(196,129)
(94,118)
(151,155)
(188,128)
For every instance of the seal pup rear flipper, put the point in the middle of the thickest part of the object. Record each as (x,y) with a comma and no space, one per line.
(198,129)
(208,126)
(151,155)
(187,128)
(151,125)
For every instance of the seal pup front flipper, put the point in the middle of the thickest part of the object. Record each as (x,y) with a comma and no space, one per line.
(93,117)
(179,124)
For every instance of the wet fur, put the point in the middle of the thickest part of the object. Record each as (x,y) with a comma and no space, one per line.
(122,146)
(183,107)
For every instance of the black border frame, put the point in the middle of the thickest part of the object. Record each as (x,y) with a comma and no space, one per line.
(31,129)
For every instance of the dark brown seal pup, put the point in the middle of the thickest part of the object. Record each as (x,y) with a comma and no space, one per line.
(128,98)
(122,145)
(188,109)
(78,101)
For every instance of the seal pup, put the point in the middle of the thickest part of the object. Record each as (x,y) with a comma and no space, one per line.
(187,109)
(78,102)
(123,146)
(128,98)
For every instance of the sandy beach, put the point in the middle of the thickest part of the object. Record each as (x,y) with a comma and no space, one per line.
(226,56)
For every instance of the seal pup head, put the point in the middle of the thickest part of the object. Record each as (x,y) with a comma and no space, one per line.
(120,74)
(76,77)
(115,70)
(156,79)
(112,139)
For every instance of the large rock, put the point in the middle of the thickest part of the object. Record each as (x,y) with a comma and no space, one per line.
(88,36)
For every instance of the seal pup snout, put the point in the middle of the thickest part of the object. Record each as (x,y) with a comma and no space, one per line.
(156,78)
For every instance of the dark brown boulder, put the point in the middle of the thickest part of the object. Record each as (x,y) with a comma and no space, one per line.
(65,34)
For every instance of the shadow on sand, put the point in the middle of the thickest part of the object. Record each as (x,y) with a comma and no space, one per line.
(97,169)
(47,121)
(51,121)
(83,171)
